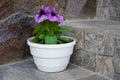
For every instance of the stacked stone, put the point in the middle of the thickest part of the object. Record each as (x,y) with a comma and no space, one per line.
(16,25)
(14,32)
(67,8)
(108,9)
(98,46)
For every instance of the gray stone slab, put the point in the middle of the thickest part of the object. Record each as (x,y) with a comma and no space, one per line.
(103,3)
(117,56)
(89,61)
(98,26)
(105,45)
(73,8)
(78,56)
(94,77)
(79,36)
(26,70)
(105,66)
(117,76)
(73,74)
(91,43)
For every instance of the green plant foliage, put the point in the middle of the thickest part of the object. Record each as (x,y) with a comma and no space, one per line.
(64,30)
(50,39)
(48,32)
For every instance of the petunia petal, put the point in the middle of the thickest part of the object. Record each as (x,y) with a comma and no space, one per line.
(60,19)
(39,18)
(46,13)
(53,18)
(54,12)
(47,10)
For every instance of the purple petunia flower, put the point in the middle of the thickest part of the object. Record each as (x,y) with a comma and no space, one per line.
(43,14)
(40,18)
(55,16)
(48,14)
(60,19)
(54,12)
(46,10)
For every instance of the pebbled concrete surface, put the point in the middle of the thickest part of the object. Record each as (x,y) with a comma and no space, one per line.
(26,70)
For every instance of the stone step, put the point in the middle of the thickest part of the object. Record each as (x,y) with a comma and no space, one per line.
(102,26)
(98,46)
(26,70)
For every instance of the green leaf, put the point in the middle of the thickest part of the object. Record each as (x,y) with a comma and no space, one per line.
(41,42)
(40,28)
(65,30)
(64,39)
(51,39)
(36,30)
(41,36)
(59,42)
(34,40)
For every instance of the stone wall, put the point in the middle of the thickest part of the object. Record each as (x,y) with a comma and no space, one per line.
(95,51)
(108,9)
(68,8)
(98,46)
(89,10)
(16,23)
(14,31)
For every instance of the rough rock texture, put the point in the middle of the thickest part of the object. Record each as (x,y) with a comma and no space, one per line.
(98,46)
(94,77)
(14,31)
(74,7)
(108,9)
(90,42)
(71,9)
(7,7)
(15,26)
(89,60)
(105,45)
(26,70)
(105,66)
(117,56)
(89,10)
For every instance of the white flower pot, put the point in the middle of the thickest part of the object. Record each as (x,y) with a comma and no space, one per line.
(51,58)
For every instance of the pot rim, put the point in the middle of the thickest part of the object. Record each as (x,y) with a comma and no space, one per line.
(31,44)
